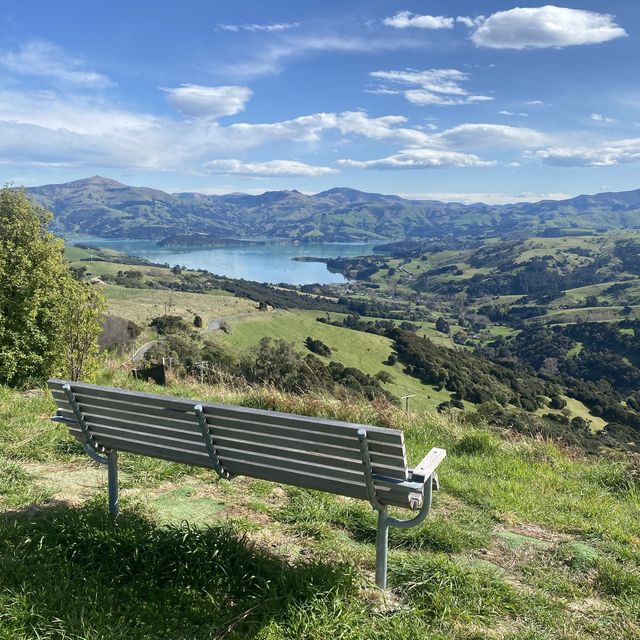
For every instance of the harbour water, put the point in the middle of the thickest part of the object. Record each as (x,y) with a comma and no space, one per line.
(271,262)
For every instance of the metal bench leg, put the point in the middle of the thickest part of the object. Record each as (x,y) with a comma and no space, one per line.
(382,547)
(112,467)
(384,519)
(91,447)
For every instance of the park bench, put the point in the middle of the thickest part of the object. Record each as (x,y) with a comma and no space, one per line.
(347,459)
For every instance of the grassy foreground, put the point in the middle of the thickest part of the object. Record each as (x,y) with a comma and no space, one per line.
(525,541)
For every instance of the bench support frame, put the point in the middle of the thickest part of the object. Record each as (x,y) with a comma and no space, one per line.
(209,443)
(384,519)
(96,452)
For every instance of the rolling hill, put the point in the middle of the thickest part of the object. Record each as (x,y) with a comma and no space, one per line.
(104,207)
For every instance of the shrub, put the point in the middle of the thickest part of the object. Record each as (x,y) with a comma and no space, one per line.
(45,314)
(167,325)
(442,325)
(318,347)
(117,332)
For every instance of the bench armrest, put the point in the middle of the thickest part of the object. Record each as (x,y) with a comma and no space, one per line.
(427,466)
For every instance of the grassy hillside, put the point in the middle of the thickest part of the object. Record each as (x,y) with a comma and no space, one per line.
(364,351)
(104,207)
(141,305)
(525,541)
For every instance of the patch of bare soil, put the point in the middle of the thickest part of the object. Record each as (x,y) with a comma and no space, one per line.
(535,531)
(70,483)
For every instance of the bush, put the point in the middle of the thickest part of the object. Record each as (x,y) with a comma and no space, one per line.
(167,325)
(42,306)
(183,350)
(318,347)
(442,325)
(117,333)
(384,377)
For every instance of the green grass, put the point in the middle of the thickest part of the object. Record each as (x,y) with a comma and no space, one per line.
(524,540)
(141,305)
(364,351)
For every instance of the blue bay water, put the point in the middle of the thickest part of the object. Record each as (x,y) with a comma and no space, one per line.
(272,262)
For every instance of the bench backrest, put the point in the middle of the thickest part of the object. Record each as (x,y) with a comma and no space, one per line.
(314,453)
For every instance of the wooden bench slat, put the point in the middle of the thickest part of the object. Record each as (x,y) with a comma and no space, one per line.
(349,440)
(119,439)
(239,466)
(335,427)
(383,464)
(153,435)
(125,435)
(174,454)
(180,418)
(182,426)
(193,434)
(396,452)
(388,495)
(277,442)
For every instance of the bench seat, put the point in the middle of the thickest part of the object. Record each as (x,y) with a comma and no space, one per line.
(353,460)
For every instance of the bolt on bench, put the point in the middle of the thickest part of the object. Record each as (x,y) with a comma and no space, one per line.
(347,459)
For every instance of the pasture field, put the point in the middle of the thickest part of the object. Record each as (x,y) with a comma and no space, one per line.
(365,351)
(141,305)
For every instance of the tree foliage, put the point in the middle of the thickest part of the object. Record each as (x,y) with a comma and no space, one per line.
(82,316)
(40,301)
(38,296)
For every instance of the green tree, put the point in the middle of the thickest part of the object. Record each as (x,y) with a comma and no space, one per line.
(442,325)
(32,277)
(37,294)
(82,317)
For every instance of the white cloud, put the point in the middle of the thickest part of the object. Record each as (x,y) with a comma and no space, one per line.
(505,112)
(423,97)
(420,159)
(73,112)
(210,103)
(486,198)
(598,117)
(272,58)
(470,22)
(536,103)
(404,19)
(441,87)
(491,136)
(50,127)
(253,28)
(46,60)
(267,169)
(605,154)
(544,27)
(383,91)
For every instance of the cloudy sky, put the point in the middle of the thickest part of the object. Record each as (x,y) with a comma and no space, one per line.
(465,100)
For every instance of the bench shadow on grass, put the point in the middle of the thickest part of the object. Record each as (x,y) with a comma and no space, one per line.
(75,572)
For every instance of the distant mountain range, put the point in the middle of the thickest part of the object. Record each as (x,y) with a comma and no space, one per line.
(103,207)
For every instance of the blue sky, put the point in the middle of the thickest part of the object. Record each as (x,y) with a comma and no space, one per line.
(492,101)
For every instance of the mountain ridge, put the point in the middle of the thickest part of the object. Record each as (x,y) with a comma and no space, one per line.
(106,207)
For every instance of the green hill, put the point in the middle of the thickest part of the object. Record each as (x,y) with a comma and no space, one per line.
(104,207)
